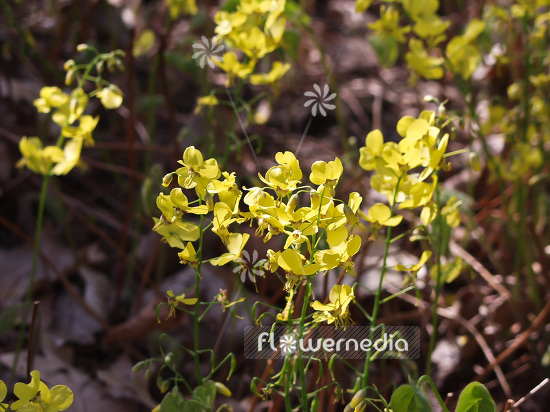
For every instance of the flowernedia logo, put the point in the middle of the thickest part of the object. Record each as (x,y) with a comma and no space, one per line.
(354,342)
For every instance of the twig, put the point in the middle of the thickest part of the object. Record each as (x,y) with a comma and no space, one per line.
(531,393)
(30,345)
(479,268)
(537,323)
(449,399)
(62,278)
(508,405)
(473,331)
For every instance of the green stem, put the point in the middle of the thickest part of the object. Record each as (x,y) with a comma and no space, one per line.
(307,294)
(437,286)
(377,301)
(196,317)
(36,253)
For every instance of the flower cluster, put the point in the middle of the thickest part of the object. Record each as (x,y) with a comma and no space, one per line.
(37,397)
(67,111)
(316,227)
(427,30)
(406,171)
(522,119)
(255,29)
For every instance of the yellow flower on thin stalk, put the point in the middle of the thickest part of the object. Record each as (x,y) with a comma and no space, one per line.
(337,309)
(175,300)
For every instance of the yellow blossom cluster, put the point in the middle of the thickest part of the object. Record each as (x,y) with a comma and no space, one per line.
(37,397)
(425,33)
(67,111)
(523,120)
(402,171)
(314,228)
(255,29)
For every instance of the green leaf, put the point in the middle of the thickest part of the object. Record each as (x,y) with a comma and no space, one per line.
(449,271)
(194,406)
(387,49)
(172,402)
(475,398)
(408,398)
(292,43)
(205,393)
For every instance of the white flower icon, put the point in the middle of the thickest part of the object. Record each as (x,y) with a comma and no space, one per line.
(288,344)
(207,51)
(249,265)
(320,100)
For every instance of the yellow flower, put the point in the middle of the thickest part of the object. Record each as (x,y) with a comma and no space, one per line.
(341,250)
(182,7)
(36,157)
(72,109)
(176,233)
(235,245)
(37,397)
(450,211)
(277,71)
(176,205)
(231,65)
(289,307)
(26,392)
(3,393)
(227,22)
(322,172)
(86,126)
(431,28)
(421,63)
(284,177)
(388,25)
(337,310)
(293,262)
(227,190)
(175,300)
(464,56)
(415,268)
(50,97)
(71,157)
(110,96)
(189,255)
(223,217)
(419,9)
(374,143)
(196,172)
(380,214)
(206,101)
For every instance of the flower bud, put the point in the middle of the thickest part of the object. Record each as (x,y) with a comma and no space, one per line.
(68,65)
(474,161)
(222,389)
(350,216)
(292,203)
(314,405)
(442,111)
(69,77)
(209,200)
(138,366)
(167,179)
(357,398)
